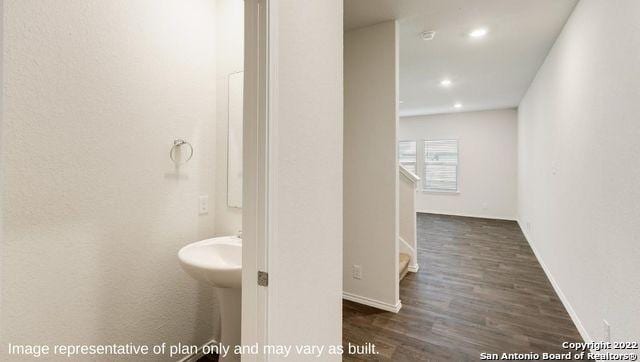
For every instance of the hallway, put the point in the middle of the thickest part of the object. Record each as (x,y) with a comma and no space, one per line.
(479,289)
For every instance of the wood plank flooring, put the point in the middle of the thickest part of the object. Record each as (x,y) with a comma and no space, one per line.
(479,289)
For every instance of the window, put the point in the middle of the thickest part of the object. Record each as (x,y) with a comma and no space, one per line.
(407,153)
(440,165)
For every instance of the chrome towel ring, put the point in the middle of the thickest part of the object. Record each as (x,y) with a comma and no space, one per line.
(176,150)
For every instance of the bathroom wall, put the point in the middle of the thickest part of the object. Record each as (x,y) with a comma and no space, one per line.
(230,59)
(371,164)
(487,161)
(94,211)
(578,178)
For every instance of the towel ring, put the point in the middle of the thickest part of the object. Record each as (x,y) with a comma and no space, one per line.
(176,144)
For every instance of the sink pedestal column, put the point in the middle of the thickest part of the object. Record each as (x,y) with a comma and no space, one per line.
(230,320)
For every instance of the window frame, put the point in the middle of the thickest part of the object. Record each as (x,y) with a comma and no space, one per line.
(420,169)
(423,165)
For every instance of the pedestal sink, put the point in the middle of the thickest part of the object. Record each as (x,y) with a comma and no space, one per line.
(218,262)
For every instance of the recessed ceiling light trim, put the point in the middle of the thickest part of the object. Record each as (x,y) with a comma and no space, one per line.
(428,35)
(457,105)
(446,82)
(479,33)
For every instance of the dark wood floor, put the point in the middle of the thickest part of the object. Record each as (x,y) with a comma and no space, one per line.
(479,289)
(208,358)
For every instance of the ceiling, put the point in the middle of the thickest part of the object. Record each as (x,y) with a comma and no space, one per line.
(491,72)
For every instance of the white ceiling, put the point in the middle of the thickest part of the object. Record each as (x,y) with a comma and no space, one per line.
(488,73)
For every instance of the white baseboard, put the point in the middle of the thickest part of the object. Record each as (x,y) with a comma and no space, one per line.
(413,268)
(511,218)
(563,298)
(196,356)
(372,302)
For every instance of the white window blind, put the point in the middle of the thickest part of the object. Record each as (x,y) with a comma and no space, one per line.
(407,154)
(440,165)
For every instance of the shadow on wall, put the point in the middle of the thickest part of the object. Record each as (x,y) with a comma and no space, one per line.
(92,222)
(118,282)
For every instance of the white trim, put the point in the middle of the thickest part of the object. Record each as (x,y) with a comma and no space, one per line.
(563,298)
(195,356)
(258,37)
(508,218)
(410,176)
(271,154)
(396,181)
(372,302)
(413,262)
(440,192)
(407,246)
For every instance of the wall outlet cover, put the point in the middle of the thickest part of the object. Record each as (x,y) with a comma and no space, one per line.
(356,272)
(203,204)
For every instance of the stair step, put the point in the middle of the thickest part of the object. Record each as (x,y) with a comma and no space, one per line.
(403,265)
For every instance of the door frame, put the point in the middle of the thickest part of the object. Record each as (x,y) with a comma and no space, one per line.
(257,180)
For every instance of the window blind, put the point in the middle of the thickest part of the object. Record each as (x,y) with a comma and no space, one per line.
(407,155)
(440,165)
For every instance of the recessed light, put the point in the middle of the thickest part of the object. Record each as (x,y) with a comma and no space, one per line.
(457,105)
(478,33)
(428,35)
(445,82)
(401,102)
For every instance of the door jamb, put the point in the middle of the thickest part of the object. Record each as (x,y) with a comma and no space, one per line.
(258,183)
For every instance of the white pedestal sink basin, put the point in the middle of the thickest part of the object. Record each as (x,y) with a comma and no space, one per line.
(218,262)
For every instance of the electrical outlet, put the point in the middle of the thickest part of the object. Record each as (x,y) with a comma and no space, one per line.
(528,226)
(356,272)
(203,204)
(607,330)
(485,206)
(554,167)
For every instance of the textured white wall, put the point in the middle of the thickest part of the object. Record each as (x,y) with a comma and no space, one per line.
(230,53)
(305,252)
(487,147)
(579,200)
(370,162)
(94,211)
